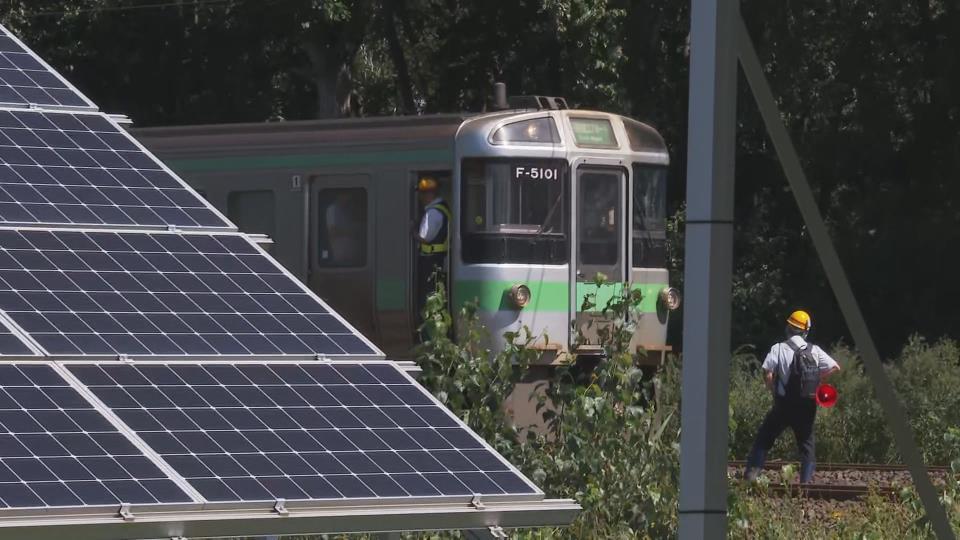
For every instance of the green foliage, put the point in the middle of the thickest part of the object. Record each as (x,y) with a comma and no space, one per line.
(612,442)
(467,377)
(609,437)
(752,514)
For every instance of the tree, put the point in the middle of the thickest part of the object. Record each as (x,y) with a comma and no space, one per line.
(871,97)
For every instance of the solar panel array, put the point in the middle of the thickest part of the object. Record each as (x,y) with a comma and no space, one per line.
(251,432)
(25,79)
(149,293)
(82,169)
(105,253)
(108,293)
(57,450)
(234,432)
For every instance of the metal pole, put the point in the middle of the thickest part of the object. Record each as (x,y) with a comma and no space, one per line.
(708,268)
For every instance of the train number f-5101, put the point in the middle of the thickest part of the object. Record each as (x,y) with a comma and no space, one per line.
(535,173)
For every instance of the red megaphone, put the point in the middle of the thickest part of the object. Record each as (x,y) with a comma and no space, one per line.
(826,395)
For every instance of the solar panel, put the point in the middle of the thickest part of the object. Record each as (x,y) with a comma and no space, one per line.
(25,79)
(11,345)
(57,450)
(319,430)
(168,294)
(81,168)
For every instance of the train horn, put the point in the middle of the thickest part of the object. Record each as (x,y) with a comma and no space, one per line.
(826,395)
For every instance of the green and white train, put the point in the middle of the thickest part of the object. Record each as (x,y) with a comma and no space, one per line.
(543,199)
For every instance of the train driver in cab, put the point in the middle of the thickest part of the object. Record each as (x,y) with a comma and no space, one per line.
(433,237)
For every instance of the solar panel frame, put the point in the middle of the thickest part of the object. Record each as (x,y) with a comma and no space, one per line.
(531,493)
(81,102)
(10,336)
(102,183)
(297,290)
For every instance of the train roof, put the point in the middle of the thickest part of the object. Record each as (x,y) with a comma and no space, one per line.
(434,131)
(583,132)
(298,132)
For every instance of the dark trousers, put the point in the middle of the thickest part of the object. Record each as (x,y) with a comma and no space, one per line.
(430,269)
(797,414)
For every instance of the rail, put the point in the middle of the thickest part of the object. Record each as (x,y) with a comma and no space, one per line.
(845,481)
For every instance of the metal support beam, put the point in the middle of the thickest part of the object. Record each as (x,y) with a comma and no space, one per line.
(790,161)
(220,520)
(708,268)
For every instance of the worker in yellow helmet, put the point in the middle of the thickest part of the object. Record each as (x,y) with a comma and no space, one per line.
(433,238)
(792,371)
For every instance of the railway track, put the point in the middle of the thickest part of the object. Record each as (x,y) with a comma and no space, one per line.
(845,481)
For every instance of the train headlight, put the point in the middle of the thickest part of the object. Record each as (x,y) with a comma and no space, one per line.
(670,298)
(520,295)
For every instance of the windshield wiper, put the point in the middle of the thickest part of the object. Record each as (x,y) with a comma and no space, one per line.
(546,220)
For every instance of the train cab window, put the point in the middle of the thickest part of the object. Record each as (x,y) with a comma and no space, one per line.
(514,211)
(253,211)
(643,138)
(599,221)
(649,216)
(342,233)
(533,131)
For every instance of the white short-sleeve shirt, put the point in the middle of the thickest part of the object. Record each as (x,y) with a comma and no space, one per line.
(431,222)
(780,358)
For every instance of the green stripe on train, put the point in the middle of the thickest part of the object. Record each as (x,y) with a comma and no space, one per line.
(648,292)
(391,294)
(295,161)
(548,295)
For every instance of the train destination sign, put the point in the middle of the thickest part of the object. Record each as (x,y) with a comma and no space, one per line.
(535,172)
(593,132)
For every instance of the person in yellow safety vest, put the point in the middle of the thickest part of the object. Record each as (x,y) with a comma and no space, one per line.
(433,236)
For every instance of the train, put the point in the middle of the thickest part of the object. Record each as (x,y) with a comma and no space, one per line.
(544,198)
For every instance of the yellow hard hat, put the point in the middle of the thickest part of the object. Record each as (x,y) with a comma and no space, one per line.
(800,320)
(427,183)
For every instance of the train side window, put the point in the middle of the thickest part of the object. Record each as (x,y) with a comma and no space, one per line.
(342,234)
(649,216)
(253,211)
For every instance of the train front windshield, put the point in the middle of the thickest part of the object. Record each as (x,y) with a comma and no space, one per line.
(515,211)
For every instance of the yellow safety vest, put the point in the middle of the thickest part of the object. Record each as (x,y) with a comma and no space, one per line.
(441,247)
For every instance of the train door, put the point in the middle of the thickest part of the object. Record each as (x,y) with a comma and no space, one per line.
(599,248)
(340,247)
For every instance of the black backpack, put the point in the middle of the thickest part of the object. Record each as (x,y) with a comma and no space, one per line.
(804,374)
